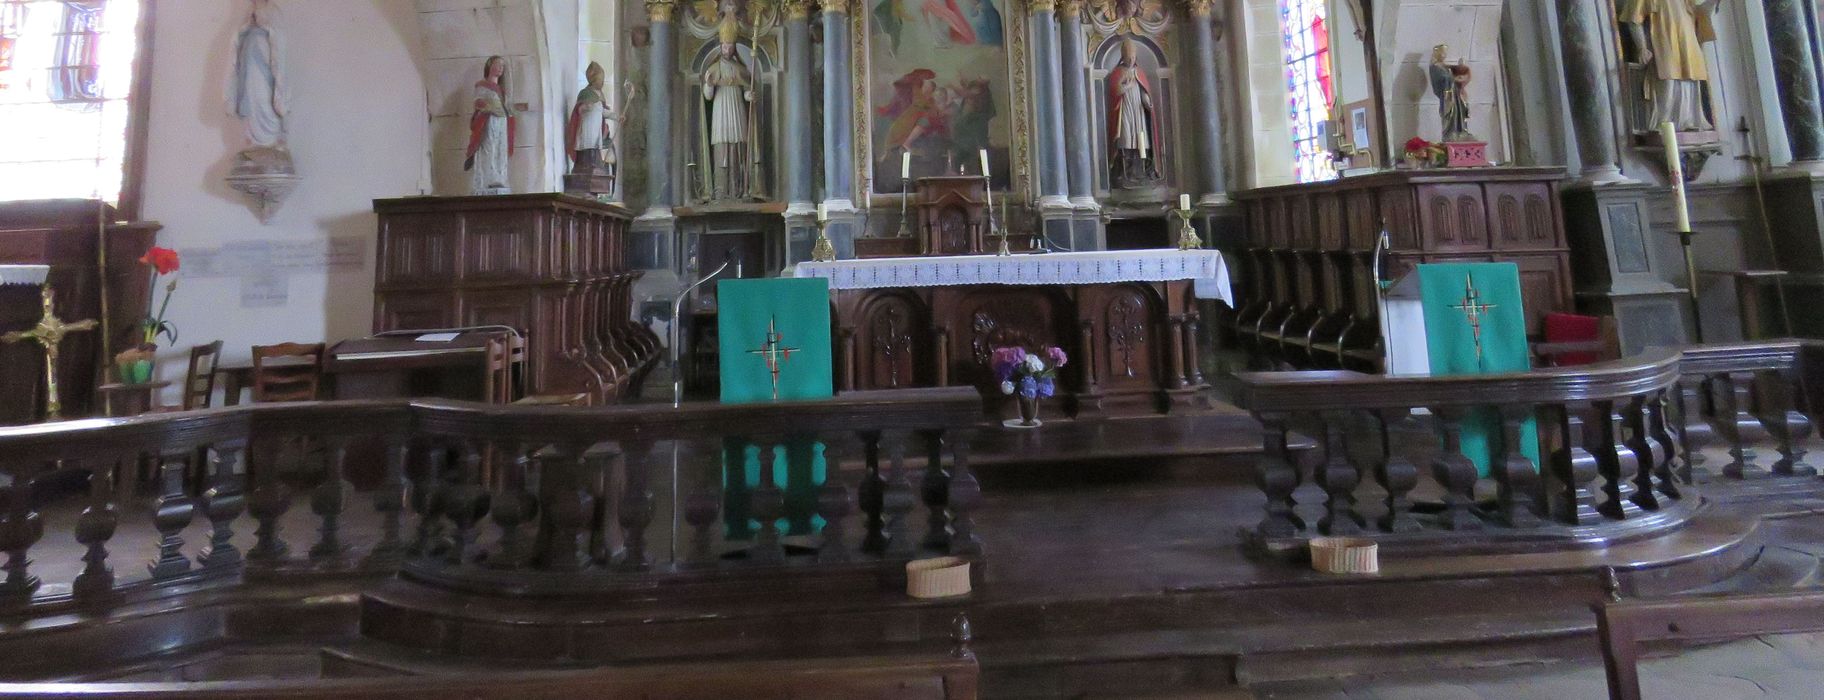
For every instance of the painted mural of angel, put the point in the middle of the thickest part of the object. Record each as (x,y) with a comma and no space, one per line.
(945,23)
(915,114)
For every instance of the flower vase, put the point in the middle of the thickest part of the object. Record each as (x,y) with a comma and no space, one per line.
(134,366)
(1029,414)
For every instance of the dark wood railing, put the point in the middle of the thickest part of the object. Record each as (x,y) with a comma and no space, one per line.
(1617,445)
(504,499)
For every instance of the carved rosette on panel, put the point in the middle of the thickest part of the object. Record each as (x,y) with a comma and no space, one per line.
(1126,315)
(1003,320)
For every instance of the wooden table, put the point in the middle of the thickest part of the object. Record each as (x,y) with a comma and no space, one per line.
(384,368)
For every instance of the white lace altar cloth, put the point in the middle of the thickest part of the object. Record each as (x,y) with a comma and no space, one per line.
(1205,268)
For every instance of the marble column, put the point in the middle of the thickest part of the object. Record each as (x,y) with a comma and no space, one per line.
(839,126)
(1208,96)
(1055,211)
(1075,62)
(652,243)
(1789,38)
(1585,71)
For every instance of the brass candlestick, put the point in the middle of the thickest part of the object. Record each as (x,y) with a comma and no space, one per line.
(823,250)
(1187,234)
(49,334)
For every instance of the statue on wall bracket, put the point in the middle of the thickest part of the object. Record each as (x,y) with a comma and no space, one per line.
(257,97)
(1667,78)
(1133,124)
(1450,83)
(589,137)
(491,131)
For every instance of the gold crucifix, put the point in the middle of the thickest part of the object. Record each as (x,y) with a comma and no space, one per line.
(1474,309)
(49,334)
(774,352)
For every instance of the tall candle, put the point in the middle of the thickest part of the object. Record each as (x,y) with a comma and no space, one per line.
(1142,148)
(984,162)
(905,165)
(1668,136)
(1184,202)
(823,211)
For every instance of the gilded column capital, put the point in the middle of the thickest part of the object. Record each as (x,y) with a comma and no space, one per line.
(1070,8)
(1040,6)
(661,10)
(840,7)
(1200,9)
(798,9)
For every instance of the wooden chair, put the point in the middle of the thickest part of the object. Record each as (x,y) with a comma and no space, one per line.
(287,371)
(199,382)
(1572,340)
(506,354)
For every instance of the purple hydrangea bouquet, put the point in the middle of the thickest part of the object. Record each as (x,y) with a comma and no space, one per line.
(1030,376)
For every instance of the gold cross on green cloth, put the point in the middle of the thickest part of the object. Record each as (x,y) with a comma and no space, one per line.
(1473,310)
(773,352)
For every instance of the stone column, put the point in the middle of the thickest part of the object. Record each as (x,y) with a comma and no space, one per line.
(839,126)
(1585,71)
(1789,38)
(652,244)
(800,127)
(1077,130)
(1048,131)
(1208,98)
(800,134)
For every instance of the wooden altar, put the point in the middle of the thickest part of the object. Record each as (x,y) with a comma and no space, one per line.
(64,235)
(950,217)
(1132,342)
(551,265)
(1305,278)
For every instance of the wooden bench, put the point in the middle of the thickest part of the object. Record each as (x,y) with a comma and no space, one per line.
(1626,625)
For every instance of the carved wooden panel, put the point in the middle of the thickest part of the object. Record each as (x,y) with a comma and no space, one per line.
(499,244)
(1397,207)
(416,248)
(952,233)
(1259,223)
(416,310)
(986,318)
(498,308)
(892,333)
(1362,219)
(1524,216)
(1545,287)
(1301,222)
(1127,316)
(1330,221)
(1453,217)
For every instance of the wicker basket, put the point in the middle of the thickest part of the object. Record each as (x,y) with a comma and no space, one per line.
(940,577)
(1345,555)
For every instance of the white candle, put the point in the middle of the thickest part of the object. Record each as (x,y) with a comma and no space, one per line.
(1668,136)
(1184,202)
(1142,148)
(823,211)
(984,162)
(905,165)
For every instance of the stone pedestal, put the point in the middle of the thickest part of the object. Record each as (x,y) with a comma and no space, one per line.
(1617,271)
(800,234)
(1796,202)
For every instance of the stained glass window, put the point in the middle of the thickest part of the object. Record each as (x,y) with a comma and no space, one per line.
(66,68)
(1303,26)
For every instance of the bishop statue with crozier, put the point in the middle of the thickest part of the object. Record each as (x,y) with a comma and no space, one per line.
(728,90)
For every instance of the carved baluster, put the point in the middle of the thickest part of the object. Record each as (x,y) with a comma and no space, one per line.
(1277,477)
(1516,477)
(1735,422)
(965,497)
(1338,478)
(94,529)
(1778,415)
(1646,458)
(1694,427)
(1615,463)
(897,498)
(1454,472)
(329,499)
(935,491)
(174,512)
(1086,343)
(636,507)
(833,504)
(1396,472)
(767,504)
(703,508)
(872,490)
(1662,432)
(222,504)
(20,528)
(567,508)
(1574,470)
(465,504)
(429,499)
(269,502)
(513,507)
(389,502)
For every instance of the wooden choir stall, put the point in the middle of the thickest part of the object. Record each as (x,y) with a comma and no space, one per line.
(551,266)
(1128,320)
(1307,287)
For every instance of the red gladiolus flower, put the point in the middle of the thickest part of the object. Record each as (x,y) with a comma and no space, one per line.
(164,260)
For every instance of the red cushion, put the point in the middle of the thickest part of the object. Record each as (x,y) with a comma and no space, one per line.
(1573,328)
